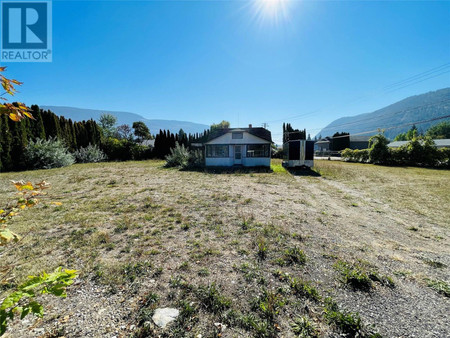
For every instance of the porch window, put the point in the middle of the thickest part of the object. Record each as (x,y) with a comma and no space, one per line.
(216,150)
(258,150)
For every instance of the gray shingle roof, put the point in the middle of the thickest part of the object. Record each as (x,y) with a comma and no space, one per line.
(258,132)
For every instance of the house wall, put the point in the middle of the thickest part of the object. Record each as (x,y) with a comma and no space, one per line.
(229,161)
(247,139)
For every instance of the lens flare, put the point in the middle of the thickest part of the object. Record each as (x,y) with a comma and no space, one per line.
(273,11)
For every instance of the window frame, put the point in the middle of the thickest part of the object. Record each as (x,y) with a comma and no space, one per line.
(250,153)
(209,151)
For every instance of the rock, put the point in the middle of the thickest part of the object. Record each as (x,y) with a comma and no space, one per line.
(164,316)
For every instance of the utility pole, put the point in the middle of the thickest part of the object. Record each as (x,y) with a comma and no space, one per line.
(265,125)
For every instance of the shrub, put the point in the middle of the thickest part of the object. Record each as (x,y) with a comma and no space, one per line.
(89,154)
(46,154)
(178,157)
(357,155)
(181,157)
(378,149)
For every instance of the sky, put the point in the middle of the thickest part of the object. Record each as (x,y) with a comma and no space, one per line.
(303,62)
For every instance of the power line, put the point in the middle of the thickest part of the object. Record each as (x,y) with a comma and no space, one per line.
(397,126)
(415,77)
(362,121)
(441,70)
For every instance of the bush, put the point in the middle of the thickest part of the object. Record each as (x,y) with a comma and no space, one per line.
(182,158)
(46,154)
(378,149)
(90,154)
(357,155)
(178,157)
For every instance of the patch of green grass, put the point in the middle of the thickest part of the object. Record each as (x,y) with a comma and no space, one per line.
(304,289)
(353,275)
(292,256)
(440,286)
(269,304)
(212,299)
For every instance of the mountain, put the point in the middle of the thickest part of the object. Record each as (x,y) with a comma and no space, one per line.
(396,117)
(79,114)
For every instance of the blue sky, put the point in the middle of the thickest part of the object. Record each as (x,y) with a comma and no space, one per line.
(205,61)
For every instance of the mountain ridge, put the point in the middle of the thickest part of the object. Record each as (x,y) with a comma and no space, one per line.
(79,114)
(397,116)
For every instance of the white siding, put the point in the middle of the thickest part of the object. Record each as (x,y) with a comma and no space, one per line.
(229,161)
(247,139)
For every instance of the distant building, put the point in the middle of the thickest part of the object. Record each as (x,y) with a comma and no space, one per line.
(440,143)
(355,142)
(359,142)
(248,147)
(323,144)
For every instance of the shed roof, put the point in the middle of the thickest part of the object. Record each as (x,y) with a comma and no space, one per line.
(258,132)
(440,143)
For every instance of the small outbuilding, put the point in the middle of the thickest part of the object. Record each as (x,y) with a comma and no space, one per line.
(247,147)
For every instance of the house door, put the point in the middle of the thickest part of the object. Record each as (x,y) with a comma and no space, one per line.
(238,154)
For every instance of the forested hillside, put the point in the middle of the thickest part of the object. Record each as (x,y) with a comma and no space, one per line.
(398,117)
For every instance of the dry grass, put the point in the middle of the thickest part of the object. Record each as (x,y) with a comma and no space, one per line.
(236,248)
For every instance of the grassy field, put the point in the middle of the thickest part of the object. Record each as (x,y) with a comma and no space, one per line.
(343,249)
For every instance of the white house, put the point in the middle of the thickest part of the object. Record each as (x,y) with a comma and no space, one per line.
(248,147)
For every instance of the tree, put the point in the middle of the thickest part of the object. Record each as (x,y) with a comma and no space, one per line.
(439,131)
(141,131)
(125,132)
(222,125)
(108,124)
(408,136)
(378,149)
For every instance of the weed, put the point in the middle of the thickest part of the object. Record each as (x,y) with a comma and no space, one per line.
(262,248)
(349,323)
(440,286)
(303,327)
(204,272)
(269,304)
(353,275)
(184,266)
(212,299)
(133,271)
(304,289)
(434,264)
(292,256)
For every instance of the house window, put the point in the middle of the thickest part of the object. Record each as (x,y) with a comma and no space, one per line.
(258,150)
(237,135)
(214,150)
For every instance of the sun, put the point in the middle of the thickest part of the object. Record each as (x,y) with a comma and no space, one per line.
(273,11)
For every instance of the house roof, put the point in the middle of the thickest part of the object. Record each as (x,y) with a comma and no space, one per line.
(440,143)
(258,132)
(359,138)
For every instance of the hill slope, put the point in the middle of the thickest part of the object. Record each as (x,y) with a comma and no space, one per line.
(79,114)
(412,109)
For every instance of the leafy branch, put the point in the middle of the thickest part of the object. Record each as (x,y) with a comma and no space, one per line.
(15,111)
(22,302)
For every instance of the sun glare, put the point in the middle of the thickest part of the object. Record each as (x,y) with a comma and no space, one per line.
(273,11)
